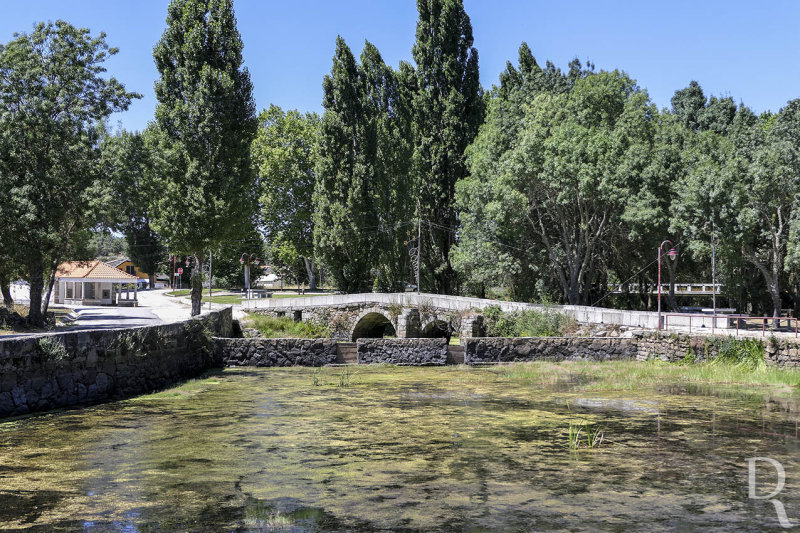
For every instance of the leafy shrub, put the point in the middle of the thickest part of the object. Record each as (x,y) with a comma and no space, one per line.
(529,323)
(287,328)
(51,349)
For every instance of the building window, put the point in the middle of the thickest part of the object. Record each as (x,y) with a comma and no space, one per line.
(69,290)
(106,294)
(88,292)
(130,269)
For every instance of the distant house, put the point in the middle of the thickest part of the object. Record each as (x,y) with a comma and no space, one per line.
(127,266)
(93,283)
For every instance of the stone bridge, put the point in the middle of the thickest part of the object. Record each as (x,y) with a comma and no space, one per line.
(350,319)
(409,315)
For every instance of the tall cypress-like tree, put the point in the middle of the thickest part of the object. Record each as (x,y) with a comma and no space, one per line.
(448,110)
(344,211)
(386,109)
(207,115)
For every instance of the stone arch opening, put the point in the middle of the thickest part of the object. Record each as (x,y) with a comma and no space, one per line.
(435,329)
(373,325)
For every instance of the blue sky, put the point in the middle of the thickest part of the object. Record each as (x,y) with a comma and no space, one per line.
(746,50)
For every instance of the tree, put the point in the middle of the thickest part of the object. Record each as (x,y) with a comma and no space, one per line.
(688,104)
(129,161)
(206,117)
(344,210)
(448,110)
(559,186)
(386,106)
(284,152)
(53,95)
(766,188)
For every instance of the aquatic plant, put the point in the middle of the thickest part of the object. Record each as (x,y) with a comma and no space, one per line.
(745,353)
(584,433)
(266,518)
(344,377)
(689,359)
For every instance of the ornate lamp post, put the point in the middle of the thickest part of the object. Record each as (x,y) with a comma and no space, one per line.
(245,259)
(672,253)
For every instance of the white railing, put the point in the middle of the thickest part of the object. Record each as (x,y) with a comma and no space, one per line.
(592,315)
(681,289)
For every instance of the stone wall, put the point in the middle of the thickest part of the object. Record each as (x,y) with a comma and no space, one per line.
(82,367)
(275,352)
(781,351)
(505,350)
(402,351)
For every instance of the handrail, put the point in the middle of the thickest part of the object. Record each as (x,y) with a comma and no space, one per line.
(738,318)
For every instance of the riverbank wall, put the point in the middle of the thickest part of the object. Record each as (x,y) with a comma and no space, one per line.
(642,345)
(43,372)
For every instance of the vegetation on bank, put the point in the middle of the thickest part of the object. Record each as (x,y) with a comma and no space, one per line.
(285,328)
(527,323)
(738,361)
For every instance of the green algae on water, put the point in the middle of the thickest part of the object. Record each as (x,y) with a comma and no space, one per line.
(449,448)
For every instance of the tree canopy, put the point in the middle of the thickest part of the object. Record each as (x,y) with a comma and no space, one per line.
(206,117)
(53,94)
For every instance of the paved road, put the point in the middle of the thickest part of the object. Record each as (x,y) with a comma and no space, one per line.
(113,317)
(154,308)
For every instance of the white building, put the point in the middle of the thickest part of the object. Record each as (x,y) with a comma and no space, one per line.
(93,283)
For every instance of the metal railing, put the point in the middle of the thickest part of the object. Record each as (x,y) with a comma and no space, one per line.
(740,321)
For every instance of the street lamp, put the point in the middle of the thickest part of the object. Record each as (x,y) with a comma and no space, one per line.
(245,259)
(672,253)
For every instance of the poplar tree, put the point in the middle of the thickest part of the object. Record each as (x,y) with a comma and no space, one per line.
(207,115)
(344,221)
(386,108)
(448,110)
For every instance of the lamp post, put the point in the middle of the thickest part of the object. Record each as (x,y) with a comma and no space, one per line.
(672,253)
(174,259)
(245,259)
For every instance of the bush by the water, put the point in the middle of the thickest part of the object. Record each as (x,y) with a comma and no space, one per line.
(286,328)
(526,323)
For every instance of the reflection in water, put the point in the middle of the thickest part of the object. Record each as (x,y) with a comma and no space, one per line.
(402,448)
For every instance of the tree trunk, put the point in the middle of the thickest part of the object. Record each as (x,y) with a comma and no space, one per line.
(312,277)
(197,287)
(50,283)
(152,281)
(36,271)
(775,294)
(5,289)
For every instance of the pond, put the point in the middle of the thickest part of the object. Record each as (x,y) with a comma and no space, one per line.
(372,448)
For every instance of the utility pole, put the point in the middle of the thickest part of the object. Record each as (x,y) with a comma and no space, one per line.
(713,270)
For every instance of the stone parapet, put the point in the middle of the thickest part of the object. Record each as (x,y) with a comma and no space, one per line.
(275,352)
(418,352)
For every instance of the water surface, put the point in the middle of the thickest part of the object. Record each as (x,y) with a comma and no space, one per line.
(447,449)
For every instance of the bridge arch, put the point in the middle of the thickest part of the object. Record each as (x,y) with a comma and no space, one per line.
(372,323)
(435,328)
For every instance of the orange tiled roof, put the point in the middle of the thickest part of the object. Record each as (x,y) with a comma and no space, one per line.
(92,269)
